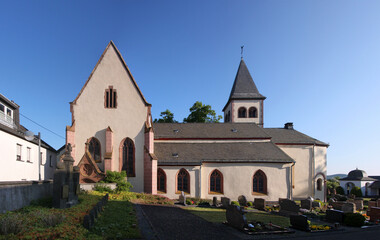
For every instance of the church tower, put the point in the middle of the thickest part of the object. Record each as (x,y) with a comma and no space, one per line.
(245,103)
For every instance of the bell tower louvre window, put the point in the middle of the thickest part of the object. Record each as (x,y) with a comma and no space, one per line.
(110,98)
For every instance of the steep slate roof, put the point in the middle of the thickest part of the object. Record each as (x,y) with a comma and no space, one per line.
(291,136)
(111,44)
(196,153)
(208,131)
(244,86)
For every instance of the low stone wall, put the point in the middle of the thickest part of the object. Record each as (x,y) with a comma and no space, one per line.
(15,195)
(90,186)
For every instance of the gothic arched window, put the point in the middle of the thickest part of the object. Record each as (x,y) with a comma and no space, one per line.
(161,180)
(183,181)
(216,182)
(242,112)
(128,157)
(259,182)
(94,149)
(252,112)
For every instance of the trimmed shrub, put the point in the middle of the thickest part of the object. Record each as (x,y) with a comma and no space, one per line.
(340,190)
(235,203)
(354,219)
(250,204)
(356,191)
(102,188)
(123,186)
(115,177)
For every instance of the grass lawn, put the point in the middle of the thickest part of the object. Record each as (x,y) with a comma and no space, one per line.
(118,220)
(219,215)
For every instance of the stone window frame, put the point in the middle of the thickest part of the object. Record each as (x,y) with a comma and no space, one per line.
(221,191)
(133,173)
(161,172)
(265,183)
(110,97)
(89,142)
(242,112)
(252,112)
(187,174)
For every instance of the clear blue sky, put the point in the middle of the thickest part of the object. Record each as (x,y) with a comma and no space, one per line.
(317,62)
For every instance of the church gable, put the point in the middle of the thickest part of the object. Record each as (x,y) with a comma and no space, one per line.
(110,73)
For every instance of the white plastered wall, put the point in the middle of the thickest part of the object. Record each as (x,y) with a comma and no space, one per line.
(305,170)
(171,179)
(361,184)
(237,179)
(127,120)
(14,170)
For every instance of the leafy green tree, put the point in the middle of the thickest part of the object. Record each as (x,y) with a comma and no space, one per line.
(202,113)
(332,184)
(356,191)
(166,117)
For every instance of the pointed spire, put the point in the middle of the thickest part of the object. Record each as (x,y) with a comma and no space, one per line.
(244,87)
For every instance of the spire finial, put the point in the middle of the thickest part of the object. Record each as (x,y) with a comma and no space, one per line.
(242,49)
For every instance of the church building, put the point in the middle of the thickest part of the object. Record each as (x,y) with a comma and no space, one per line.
(112,129)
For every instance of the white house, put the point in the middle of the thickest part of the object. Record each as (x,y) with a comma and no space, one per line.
(20,156)
(369,185)
(112,129)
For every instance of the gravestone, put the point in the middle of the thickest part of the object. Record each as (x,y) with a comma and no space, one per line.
(66,182)
(299,222)
(182,198)
(337,205)
(349,207)
(242,200)
(306,204)
(316,204)
(259,203)
(310,198)
(215,201)
(334,215)
(359,204)
(225,202)
(235,217)
(374,214)
(288,207)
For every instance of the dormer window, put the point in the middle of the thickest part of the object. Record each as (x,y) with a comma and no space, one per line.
(110,98)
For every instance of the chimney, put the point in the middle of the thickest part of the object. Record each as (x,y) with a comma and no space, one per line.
(288,125)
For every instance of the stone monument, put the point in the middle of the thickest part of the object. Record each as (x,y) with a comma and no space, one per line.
(66,182)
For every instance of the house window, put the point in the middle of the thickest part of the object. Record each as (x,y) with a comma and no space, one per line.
(42,159)
(319,184)
(259,182)
(94,149)
(128,157)
(242,112)
(183,181)
(228,117)
(28,154)
(216,182)
(252,112)
(50,161)
(9,112)
(2,108)
(110,98)
(161,181)
(18,156)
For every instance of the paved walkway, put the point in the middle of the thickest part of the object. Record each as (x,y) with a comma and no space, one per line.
(159,222)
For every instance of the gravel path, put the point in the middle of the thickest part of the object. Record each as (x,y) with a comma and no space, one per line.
(175,223)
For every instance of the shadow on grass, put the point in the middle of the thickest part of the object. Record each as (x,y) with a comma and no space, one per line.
(117,221)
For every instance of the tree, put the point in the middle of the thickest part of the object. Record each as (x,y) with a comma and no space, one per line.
(166,117)
(332,184)
(202,113)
